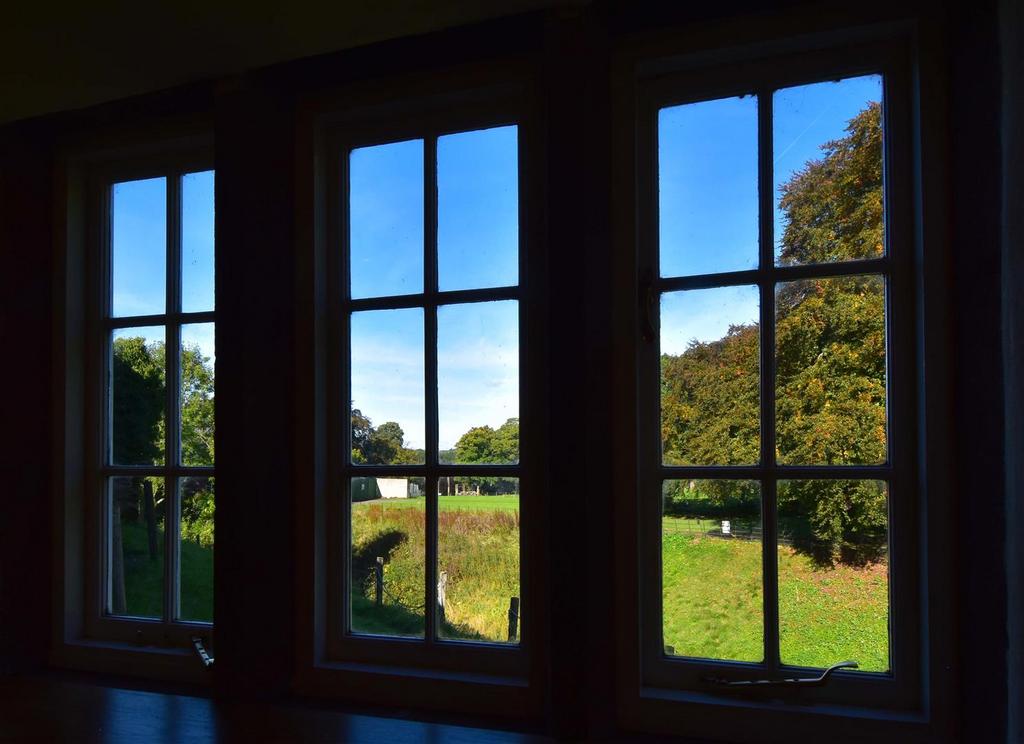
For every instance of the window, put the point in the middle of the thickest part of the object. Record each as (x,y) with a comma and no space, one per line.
(428,466)
(153,496)
(776,448)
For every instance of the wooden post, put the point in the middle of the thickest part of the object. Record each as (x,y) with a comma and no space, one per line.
(379,580)
(149,511)
(513,619)
(442,586)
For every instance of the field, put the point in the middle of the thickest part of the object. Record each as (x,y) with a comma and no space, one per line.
(711,591)
(712,603)
(478,551)
(144,579)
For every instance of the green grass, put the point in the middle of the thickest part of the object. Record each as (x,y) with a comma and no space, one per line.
(144,577)
(712,603)
(478,549)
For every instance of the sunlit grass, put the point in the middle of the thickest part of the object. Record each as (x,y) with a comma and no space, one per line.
(713,603)
(478,550)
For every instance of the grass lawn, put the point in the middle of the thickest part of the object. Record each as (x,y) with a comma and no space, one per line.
(713,603)
(144,577)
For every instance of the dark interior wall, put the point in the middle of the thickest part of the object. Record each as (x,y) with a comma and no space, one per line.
(1011,21)
(66,55)
(975,219)
(25,375)
(255,161)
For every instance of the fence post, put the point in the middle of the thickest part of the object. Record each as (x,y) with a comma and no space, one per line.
(442,586)
(379,580)
(513,619)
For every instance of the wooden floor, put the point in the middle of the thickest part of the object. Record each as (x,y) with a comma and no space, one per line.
(45,709)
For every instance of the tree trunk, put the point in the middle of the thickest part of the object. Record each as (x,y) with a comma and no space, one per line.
(149,509)
(117,601)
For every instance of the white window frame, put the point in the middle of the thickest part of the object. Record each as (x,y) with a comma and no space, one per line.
(501,666)
(660,693)
(167,632)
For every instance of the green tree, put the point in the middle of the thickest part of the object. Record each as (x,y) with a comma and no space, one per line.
(138,400)
(487,446)
(505,445)
(476,445)
(830,351)
(361,430)
(197,407)
(833,206)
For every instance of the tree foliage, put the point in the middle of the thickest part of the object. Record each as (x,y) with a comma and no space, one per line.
(830,356)
(138,404)
(486,446)
(381,445)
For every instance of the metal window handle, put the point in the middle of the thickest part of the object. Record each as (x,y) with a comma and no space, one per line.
(786,682)
(200,648)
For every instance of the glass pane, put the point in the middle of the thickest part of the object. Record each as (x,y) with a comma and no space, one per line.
(196,583)
(388,401)
(139,247)
(834,573)
(198,358)
(712,605)
(388,556)
(386,219)
(478,209)
(478,559)
(828,171)
(478,382)
(138,396)
(197,225)
(707,187)
(136,551)
(710,394)
(830,371)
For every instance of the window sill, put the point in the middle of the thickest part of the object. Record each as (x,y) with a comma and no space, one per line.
(429,689)
(129,660)
(736,718)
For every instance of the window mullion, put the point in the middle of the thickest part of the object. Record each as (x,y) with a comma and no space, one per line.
(430,387)
(172,361)
(769,521)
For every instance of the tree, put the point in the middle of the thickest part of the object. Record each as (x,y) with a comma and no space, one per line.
(484,445)
(830,369)
(361,430)
(138,398)
(475,445)
(833,206)
(197,407)
(505,445)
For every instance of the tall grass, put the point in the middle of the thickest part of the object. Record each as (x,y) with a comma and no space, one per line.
(478,550)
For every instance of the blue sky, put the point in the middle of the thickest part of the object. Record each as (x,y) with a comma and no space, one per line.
(707,167)
(140,254)
(477,243)
(707,203)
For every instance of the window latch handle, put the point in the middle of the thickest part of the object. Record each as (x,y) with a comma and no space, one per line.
(647,308)
(748,684)
(205,659)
